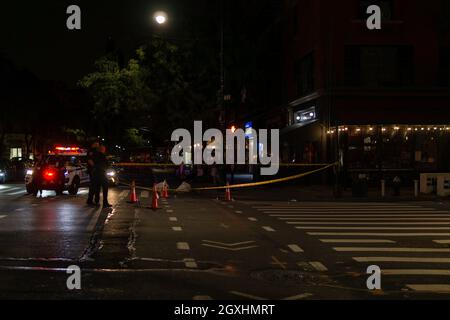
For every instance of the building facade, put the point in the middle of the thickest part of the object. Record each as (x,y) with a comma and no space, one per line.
(376,100)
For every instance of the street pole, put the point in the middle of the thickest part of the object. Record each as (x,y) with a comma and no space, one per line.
(222,79)
(222,67)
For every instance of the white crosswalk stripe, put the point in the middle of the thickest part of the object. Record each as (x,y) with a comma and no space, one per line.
(6,190)
(435,288)
(381,234)
(356,241)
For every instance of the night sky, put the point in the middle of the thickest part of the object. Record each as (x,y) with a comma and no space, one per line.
(34,35)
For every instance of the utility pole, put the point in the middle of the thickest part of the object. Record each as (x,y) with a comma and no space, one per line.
(222,67)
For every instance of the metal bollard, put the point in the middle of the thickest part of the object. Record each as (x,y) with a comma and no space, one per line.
(416,188)
(383,188)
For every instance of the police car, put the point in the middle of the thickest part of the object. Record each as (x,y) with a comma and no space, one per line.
(63,169)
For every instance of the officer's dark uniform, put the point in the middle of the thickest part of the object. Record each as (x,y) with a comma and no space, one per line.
(101,165)
(92,185)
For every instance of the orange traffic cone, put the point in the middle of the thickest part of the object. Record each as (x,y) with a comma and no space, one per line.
(155,198)
(133,196)
(165,191)
(228,193)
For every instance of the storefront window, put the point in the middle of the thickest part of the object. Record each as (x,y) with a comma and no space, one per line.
(392,147)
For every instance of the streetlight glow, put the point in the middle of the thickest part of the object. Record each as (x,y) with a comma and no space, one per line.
(160,17)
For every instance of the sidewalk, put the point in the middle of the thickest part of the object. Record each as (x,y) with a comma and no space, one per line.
(318,193)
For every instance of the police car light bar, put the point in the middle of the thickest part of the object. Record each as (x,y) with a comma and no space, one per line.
(67,148)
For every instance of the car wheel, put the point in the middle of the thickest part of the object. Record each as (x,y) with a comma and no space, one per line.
(31,189)
(73,189)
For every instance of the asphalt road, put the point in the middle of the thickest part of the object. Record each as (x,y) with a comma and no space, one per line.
(196,247)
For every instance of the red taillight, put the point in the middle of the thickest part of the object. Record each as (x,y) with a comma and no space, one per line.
(49,174)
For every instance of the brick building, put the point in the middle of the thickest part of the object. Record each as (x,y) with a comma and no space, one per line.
(378,100)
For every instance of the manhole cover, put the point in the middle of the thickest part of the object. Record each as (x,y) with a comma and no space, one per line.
(290,277)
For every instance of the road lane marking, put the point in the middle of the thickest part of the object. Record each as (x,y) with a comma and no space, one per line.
(246,245)
(356,210)
(401,259)
(190,263)
(370,223)
(299,297)
(238,212)
(183,246)
(245,295)
(145,194)
(173,219)
(15,193)
(396,249)
(202,298)
(177,229)
(432,288)
(356,241)
(169,211)
(277,262)
(268,229)
(228,244)
(1,217)
(424,218)
(415,272)
(252,219)
(372,228)
(436,214)
(228,248)
(376,234)
(83,192)
(442,241)
(295,248)
(318,266)
(331,207)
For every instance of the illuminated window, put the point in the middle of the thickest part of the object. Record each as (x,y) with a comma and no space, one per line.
(15,153)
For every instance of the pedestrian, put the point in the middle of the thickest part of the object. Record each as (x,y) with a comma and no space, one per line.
(38,172)
(101,165)
(92,153)
(214,174)
(232,171)
(182,172)
(397,182)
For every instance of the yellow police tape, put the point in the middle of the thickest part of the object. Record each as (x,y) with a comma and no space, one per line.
(262,183)
(254,184)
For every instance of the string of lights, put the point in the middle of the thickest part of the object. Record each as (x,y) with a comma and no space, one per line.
(391,129)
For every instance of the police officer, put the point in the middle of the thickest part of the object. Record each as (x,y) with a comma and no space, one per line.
(38,172)
(101,165)
(92,153)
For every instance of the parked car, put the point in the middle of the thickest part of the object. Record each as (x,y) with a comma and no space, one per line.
(5,170)
(18,168)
